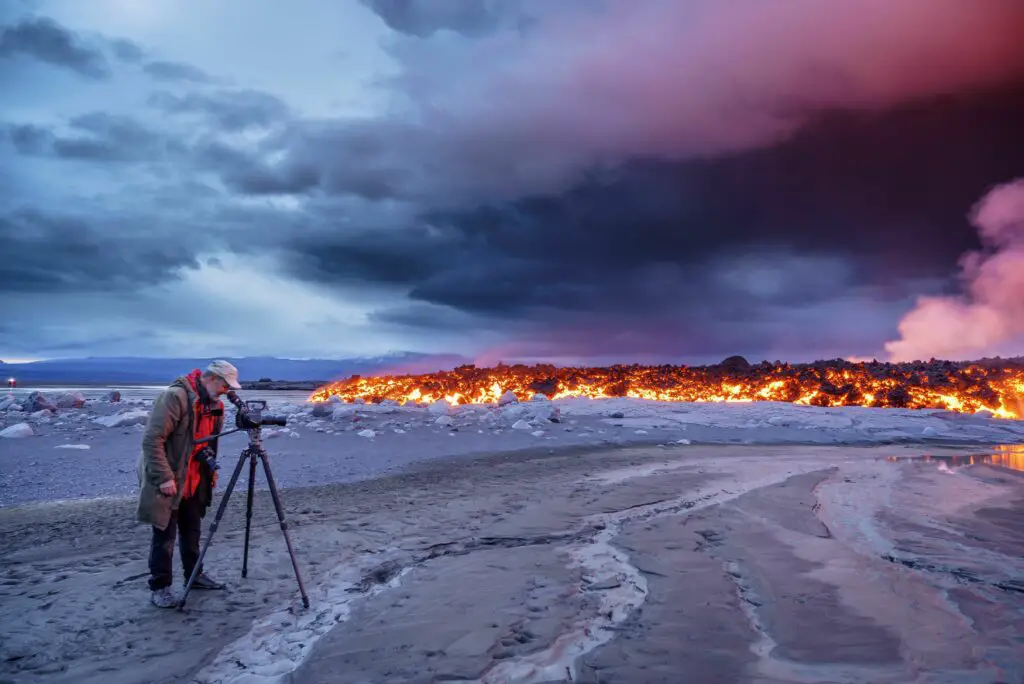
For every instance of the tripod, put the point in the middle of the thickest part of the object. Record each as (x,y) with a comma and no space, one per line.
(253,451)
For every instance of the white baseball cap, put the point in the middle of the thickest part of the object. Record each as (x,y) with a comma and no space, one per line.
(226,371)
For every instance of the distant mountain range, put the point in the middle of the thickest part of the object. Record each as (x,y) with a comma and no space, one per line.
(144,370)
(302,373)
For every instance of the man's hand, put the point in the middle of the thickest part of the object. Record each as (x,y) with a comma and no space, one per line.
(214,479)
(169,488)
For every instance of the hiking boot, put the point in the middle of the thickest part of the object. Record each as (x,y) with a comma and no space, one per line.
(164,598)
(204,581)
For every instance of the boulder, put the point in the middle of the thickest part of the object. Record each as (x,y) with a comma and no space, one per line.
(113,396)
(71,400)
(36,401)
(17,430)
(734,364)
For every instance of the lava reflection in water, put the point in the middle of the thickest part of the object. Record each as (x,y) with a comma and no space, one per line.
(1010,456)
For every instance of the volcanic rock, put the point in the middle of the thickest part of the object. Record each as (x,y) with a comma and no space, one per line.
(36,401)
(71,400)
(547,385)
(734,364)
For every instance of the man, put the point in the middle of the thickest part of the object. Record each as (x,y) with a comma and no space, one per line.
(176,478)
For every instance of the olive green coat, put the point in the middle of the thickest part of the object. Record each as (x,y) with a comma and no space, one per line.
(167,447)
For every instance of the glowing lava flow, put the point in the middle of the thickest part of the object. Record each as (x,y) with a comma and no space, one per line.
(961,387)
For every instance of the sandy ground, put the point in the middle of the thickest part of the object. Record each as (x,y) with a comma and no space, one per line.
(690,563)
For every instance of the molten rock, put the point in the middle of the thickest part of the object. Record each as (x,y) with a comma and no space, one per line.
(962,387)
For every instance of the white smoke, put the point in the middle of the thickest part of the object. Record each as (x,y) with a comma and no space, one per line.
(989,316)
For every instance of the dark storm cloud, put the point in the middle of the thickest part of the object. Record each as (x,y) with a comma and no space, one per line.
(47,252)
(663,246)
(230,110)
(98,137)
(248,174)
(127,51)
(426,17)
(609,177)
(45,40)
(176,72)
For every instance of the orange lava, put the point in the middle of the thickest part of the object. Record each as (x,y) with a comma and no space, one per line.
(966,388)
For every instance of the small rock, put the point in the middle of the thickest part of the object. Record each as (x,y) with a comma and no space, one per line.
(72,446)
(605,584)
(616,414)
(369,434)
(444,421)
(509,397)
(322,409)
(930,432)
(138,417)
(521,425)
(539,397)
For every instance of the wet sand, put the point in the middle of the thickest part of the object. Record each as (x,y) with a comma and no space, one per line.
(703,564)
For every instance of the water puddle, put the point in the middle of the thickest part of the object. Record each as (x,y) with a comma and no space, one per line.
(1010,456)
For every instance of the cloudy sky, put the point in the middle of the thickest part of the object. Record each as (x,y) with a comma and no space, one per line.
(570,180)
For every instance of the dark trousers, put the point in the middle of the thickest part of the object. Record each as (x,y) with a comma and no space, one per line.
(185,525)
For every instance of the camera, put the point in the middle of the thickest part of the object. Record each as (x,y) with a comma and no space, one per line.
(250,414)
(208,457)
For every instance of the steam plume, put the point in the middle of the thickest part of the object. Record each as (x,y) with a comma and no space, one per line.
(990,313)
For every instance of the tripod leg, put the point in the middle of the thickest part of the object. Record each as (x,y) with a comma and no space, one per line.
(248,513)
(213,528)
(284,525)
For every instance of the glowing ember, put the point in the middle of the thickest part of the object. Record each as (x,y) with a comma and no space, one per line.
(966,388)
